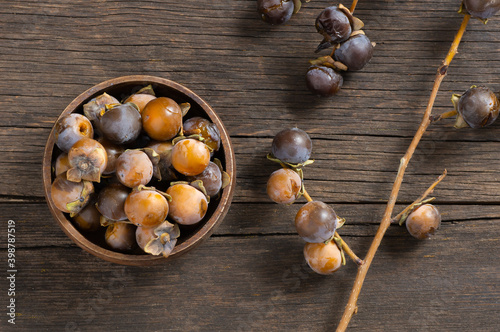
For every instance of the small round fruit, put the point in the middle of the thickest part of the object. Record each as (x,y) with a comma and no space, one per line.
(120,236)
(275,11)
(355,52)
(292,145)
(323,258)
(121,124)
(479,107)
(211,178)
(69,196)
(134,168)
(334,25)
(88,219)
(323,81)
(111,201)
(61,164)
(284,186)
(482,9)
(162,118)
(140,99)
(423,222)
(316,222)
(190,157)
(188,205)
(88,160)
(205,129)
(146,208)
(70,129)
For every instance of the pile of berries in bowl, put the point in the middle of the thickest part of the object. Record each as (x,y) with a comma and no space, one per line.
(138,169)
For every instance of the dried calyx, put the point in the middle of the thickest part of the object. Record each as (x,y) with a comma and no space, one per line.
(163,240)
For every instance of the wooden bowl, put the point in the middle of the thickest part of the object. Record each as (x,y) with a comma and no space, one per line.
(120,88)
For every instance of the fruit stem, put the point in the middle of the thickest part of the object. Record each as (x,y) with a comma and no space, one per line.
(421,198)
(353,6)
(351,306)
(444,115)
(306,196)
(349,251)
(345,246)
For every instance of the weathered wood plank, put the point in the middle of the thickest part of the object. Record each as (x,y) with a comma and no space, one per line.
(250,275)
(255,283)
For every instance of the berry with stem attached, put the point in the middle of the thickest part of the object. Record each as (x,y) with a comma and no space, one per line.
(423,222)
(283,186)
(355,52)
(316,222)
(323,258)
(275,11)
(477,107)
(292,146)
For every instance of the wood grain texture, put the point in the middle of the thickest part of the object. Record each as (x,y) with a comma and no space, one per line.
(250,275)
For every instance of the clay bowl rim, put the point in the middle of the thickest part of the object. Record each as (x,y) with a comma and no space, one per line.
(195,239)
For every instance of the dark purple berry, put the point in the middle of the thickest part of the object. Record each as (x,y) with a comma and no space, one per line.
(334,25)
(355,52)
(292,146)
(275,11)
(323,81)
(482,9)
(479,107)
(316,222)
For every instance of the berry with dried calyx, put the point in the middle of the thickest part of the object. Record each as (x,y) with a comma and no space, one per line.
(88,160)
(477,107)
(96,106)
(158,240)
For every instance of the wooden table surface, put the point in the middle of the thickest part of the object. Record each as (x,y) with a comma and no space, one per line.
(251,275)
